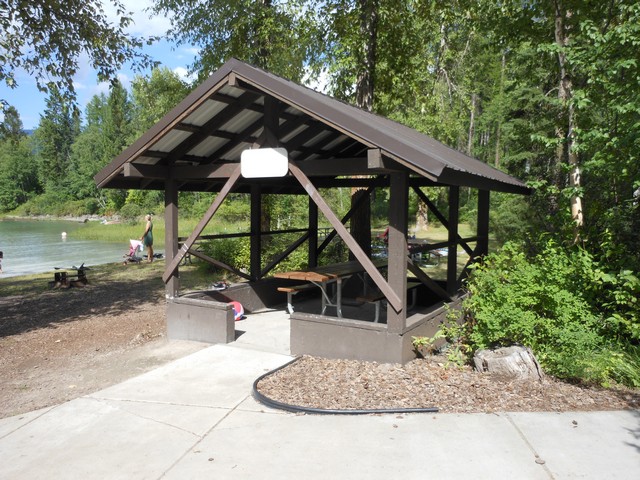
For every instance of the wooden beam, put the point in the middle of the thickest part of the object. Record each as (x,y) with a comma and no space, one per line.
(179,172)
(313,234)
(452,258)
(228,186)
(428,281)
(217,263)
(445,223)
(482,247)
(255,258)
(365,261)
(334,167)
(172,285)
(185,127)
(397,247)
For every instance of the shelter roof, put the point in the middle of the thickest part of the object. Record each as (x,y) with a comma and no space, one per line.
(198,141)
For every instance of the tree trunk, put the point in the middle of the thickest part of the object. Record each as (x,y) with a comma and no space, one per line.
(361,218)
(369,47)
(567,138)
(499,126)
(422,216)
(472,125)
(513,362)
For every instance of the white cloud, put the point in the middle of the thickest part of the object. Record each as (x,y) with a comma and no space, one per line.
(184,75)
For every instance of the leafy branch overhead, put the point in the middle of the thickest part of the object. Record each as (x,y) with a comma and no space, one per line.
(47,38)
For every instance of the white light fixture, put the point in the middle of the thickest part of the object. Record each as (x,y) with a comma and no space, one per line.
(264,162)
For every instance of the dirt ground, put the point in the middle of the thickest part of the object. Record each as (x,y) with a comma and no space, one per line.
(61,344)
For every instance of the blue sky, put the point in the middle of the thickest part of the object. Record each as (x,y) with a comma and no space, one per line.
(30,102)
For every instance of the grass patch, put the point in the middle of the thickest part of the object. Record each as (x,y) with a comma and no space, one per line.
(192,277)
(115,232)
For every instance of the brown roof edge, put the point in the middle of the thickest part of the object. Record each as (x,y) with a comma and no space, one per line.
(504,183)
(183,109)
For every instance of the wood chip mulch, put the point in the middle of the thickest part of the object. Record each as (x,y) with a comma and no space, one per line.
(424,383)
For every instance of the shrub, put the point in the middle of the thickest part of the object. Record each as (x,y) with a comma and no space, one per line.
(554,304)
(235,252)
(131,213)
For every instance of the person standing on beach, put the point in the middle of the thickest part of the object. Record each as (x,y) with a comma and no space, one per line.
(1,257)
(147,238)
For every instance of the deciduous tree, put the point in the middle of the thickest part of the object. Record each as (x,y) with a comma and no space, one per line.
(46,39)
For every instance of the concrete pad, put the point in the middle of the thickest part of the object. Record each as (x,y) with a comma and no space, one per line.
(218,376)
(11,424)
(598,445)
(267,331)
(88,439)
(256,445)
(250,404)
(192,419)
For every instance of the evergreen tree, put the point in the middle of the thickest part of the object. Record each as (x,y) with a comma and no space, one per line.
(56,132)
(11,126)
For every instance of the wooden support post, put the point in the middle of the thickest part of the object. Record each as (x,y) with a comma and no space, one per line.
(482,247)
(313,234)
(256,232)
(452,259)
(172,287)
(397,269)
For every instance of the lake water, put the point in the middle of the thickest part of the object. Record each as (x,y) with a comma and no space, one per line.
(31,246)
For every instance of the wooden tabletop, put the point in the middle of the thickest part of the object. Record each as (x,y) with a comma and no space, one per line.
(328,272)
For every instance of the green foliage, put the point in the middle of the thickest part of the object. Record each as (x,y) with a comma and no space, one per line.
(18,173)
(11,126)
(131,213)
(278,36)
(194,204)
(235,252)
(50,203)
(451,338)
(58,129)
(560,303)
(154,96)
(509,217)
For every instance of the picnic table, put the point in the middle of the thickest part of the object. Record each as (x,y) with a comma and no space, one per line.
(418,246)
(324,278)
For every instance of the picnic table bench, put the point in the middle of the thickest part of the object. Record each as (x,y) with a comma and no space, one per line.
(377,297)
(322,277)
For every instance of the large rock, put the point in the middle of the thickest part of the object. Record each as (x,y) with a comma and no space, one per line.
(514,362)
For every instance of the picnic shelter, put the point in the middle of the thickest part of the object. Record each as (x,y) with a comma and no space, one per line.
(247,131)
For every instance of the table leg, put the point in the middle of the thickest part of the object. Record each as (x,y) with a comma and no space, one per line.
(325,297)
(339,297)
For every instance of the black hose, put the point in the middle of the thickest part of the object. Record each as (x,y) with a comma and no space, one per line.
(269,402)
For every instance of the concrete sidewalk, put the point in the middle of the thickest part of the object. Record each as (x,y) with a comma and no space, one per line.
(195,418)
